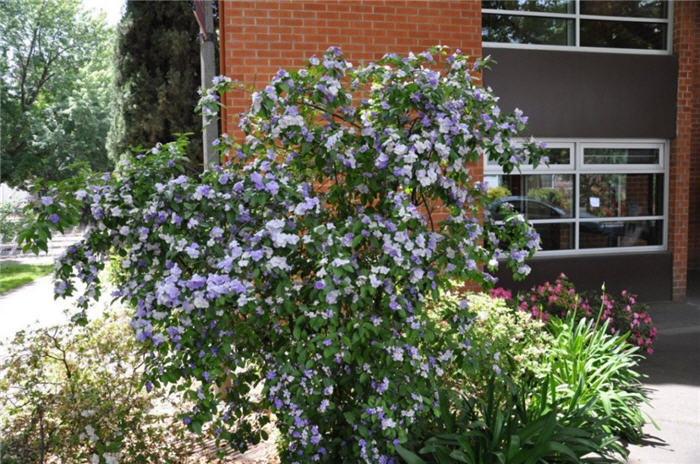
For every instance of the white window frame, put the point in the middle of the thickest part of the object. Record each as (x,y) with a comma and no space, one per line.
(577,17)
(577,168)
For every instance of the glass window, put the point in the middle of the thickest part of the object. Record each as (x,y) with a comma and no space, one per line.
(556,156)
(612,198)
(542,196)
(527,30)
(617,234)
(641,25)
(622,34)
(543,6)
(557,236)
(618,195)
(620,155)
(634,9)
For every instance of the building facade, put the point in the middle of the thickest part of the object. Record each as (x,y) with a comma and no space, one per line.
(612,87)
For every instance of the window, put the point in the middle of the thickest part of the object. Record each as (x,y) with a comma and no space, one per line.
(593,196)
(639,26)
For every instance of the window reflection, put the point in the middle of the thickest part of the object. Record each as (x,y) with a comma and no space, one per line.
(639,8)
(527,30)
(558,236)
(606,234)
(537,196)
(619,195)
(620,156)
(548,6)
(621,34)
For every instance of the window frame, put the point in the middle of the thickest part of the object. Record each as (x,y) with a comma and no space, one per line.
(577,168)
(577,17)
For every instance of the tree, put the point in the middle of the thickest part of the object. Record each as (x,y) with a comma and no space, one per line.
(158,74)
(56,80)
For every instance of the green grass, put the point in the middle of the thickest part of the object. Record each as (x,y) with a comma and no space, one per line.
(13,275)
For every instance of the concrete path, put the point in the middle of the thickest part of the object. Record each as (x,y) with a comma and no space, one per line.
(674,381)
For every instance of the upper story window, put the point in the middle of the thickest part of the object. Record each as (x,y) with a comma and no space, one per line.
(631,26)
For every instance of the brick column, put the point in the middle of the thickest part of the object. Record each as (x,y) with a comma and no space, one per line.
(694,207)
(685,43)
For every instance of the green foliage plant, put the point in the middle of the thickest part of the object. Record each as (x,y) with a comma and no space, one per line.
(503,426)
(291,283)
(589,365)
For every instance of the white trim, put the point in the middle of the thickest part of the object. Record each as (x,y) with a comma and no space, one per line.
(599,251)
(573,48)
(544,14)
(538,14)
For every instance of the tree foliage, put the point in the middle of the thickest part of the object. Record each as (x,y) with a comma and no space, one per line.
(56,84)
(158,74)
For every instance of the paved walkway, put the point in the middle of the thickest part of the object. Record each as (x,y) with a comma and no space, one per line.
(674,380)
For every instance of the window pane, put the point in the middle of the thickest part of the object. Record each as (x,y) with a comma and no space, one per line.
(558,155)
(545,196)
(559,236)
(618,195)
(620,156)
(548,6)
(619,34)
(527,30)
(620,233)
(640,8)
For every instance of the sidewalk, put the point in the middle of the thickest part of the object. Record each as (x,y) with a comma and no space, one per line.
(674,381)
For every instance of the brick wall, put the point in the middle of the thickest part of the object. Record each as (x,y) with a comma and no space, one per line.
(694,211)
(260,37)
(686,41)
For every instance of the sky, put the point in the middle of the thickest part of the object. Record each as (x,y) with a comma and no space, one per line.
(112,8)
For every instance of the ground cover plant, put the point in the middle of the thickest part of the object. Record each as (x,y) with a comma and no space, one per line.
(13,274)
(290,284)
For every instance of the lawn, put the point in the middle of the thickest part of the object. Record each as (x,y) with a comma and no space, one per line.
(13,275)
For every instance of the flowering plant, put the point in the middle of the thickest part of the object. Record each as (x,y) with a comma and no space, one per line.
(73,395)
(623,313)
(291,283)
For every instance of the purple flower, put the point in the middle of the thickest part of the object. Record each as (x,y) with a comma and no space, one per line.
(47,200)
(327,342)
(54,218)
(60,287)
(319,285)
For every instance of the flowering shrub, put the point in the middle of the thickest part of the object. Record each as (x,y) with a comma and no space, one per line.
(291,283)
(73,395)
(624,313)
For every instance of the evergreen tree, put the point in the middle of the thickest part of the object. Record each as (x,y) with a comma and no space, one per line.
(158,74)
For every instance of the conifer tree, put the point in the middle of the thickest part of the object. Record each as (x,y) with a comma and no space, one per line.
(158,74)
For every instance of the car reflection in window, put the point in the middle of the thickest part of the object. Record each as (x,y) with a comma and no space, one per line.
(553,236)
